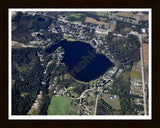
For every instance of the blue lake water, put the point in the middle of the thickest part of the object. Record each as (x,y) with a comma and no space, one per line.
(84,64)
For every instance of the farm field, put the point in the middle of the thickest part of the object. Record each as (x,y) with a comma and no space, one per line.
(125,14)
(59,106)
(92,20)
(145,53)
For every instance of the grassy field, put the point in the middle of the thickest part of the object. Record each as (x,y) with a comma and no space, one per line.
(102,13)
(59,106)
(135,74)
(76,17)
(114,103)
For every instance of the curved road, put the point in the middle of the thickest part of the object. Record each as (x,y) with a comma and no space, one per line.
(82,94)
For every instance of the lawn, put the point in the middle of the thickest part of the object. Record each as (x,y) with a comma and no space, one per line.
(59,106)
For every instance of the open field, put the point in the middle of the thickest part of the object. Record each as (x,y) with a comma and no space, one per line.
(92,20)
(127,29)
(102,13)
(142,16)
(76,17)
(59,106)
(112,102)
(146,77)
(22,37)
(136,66)
(145,53)
(135,74)
(125,14)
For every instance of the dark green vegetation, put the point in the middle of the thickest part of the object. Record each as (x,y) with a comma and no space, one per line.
(57,75)
(76,17)
(49,78)
(59,106)
(24,25)
(121,87)
(27,70)
(143,24)
(104,108)
(124,49)
(120,25)
(27,74)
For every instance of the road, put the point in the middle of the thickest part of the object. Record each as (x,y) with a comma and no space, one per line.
(142,67)
(82,95)
(95,110)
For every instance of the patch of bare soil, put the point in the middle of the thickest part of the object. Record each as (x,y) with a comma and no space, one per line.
(125,14)
(92,20)
(145,53)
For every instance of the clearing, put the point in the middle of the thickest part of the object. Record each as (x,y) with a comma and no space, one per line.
(92,20)
(76,17)
(115,103)
(59,106)
(125,14)
(135,74)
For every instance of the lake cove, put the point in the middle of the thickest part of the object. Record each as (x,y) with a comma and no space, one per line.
(84,64)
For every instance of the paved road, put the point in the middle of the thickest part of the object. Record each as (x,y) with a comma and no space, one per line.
(142,67)
(82,95)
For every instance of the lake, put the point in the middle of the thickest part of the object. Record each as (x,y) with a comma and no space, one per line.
(83,63)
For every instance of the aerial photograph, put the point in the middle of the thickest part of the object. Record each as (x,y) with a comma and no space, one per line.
(79,63)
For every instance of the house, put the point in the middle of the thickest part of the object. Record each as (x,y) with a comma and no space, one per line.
(113,97)
(143,30)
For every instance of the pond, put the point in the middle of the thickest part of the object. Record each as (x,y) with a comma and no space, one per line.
(40,19)
(84,64)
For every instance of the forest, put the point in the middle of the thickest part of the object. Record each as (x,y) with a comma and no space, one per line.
(123,49)
(23,25)
(27,74)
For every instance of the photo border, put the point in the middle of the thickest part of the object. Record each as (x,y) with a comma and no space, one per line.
(90,117)
(6,4)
